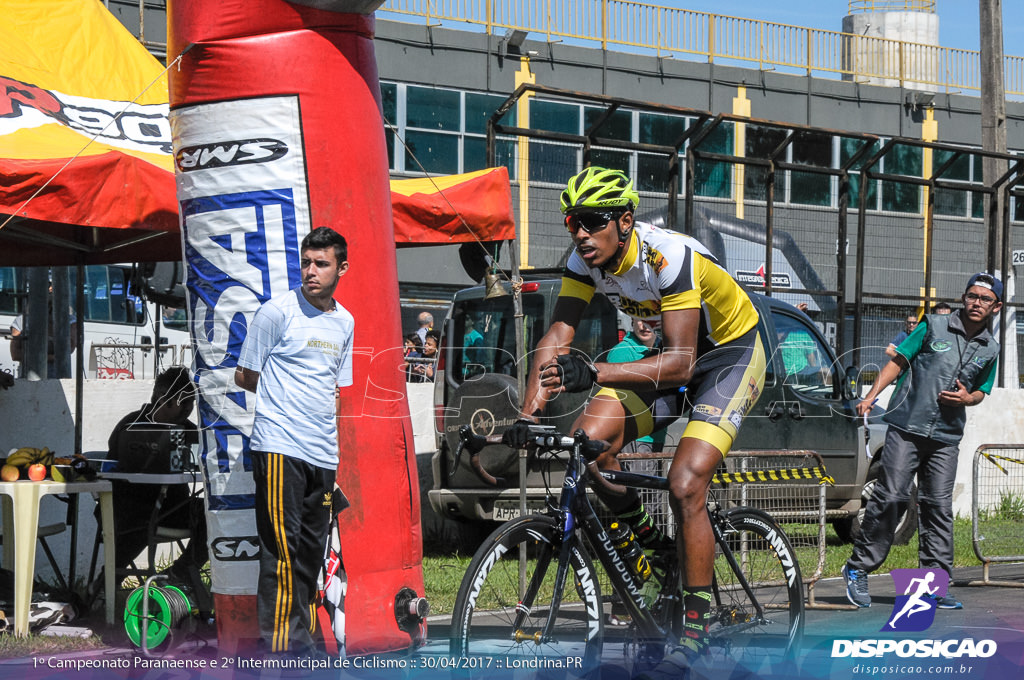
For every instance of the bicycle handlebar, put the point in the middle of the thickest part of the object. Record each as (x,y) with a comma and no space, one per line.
(542,437)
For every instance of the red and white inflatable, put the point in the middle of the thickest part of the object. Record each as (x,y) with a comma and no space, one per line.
(276,121)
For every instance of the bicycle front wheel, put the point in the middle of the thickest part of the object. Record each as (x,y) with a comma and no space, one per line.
(512,616)
(757,615)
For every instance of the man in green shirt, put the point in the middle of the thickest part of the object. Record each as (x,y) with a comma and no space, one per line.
(946,364)
(639,343)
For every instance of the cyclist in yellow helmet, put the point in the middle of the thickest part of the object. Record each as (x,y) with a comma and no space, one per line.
(711,346)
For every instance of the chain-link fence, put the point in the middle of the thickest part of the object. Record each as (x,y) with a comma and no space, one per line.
(863,230)
(997,507)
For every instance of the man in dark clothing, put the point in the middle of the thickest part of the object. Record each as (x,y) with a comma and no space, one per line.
(174,396)
(945,365)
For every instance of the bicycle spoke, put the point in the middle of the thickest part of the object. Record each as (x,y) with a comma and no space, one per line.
(757,620)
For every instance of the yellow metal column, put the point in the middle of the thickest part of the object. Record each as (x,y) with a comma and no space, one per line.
(740,107)
(929,133)
(524,75)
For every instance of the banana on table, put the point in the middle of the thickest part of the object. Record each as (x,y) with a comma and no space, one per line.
(27,456)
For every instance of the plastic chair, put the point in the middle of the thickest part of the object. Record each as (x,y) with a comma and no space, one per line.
(44,532)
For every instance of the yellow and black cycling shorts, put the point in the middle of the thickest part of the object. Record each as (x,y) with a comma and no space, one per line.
(726,384)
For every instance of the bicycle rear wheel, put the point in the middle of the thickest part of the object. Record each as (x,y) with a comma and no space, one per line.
(492,619)
(761,629)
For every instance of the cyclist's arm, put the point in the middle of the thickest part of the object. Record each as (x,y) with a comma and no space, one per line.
(564,321)
(672,367)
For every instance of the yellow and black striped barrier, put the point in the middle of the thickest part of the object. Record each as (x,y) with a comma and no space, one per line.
(993,457)
(776,475)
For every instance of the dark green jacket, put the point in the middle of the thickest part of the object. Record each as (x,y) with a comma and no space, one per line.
(939,353)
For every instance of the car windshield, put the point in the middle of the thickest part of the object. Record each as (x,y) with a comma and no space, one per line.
(484,333)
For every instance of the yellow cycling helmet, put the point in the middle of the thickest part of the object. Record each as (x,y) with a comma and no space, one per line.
(597,188)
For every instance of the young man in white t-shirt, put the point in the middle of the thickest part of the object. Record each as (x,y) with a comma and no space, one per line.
(297,353)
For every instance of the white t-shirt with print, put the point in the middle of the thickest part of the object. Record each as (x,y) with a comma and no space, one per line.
(301,354)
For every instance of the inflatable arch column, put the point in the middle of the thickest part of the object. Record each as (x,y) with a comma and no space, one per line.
(276,119)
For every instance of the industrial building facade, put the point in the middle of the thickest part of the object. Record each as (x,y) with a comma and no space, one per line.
(924,222)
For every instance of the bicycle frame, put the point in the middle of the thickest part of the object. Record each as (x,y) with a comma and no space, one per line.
(576,515)
(641,481)
(576,511)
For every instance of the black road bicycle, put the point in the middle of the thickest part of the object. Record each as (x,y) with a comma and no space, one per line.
(532,592)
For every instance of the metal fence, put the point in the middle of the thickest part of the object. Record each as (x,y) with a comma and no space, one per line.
(788,485)
(863,229)
(997,507)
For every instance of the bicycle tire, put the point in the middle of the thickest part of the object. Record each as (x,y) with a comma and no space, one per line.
(484,618)
(770,566)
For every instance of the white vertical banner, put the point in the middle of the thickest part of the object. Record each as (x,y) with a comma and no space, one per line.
(244,209)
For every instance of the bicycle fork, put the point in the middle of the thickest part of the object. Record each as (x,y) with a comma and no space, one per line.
(565,560)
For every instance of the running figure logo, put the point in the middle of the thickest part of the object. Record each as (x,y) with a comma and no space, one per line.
(915,609)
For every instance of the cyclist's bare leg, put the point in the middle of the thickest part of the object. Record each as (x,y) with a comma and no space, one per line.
(693,466)
(606,418)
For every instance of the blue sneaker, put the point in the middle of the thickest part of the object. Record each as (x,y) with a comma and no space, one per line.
(856,586)
(947,601)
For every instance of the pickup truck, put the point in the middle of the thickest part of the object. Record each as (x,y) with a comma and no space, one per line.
(807,403)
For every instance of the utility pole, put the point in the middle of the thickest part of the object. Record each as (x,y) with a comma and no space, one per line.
(993,138)
(993,118)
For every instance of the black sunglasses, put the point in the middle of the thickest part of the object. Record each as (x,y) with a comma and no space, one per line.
(590,221)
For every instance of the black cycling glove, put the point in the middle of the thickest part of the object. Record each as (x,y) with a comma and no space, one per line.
(518,434)
(578,374)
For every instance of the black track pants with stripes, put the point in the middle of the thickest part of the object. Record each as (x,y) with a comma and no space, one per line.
(293,512)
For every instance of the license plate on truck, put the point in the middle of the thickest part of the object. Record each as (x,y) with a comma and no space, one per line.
(506,510)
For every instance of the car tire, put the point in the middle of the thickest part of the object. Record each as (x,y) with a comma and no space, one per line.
(848,528)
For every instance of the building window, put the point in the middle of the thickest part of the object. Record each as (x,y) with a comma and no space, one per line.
(431,152)
(389,104)
(618,126)
(432,108)
(811,188)
(965,168)
(714,178)
(902,196)
(442,131)
(553,162)
(760,142)
(479,109)
(847,149)
(652,169)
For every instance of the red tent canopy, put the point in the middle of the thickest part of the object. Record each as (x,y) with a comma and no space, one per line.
(85,151)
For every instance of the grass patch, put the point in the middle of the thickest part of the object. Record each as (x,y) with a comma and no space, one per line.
(443,574)
(1009,508)
(45,645)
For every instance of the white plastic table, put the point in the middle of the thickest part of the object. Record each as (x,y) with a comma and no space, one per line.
(21,520)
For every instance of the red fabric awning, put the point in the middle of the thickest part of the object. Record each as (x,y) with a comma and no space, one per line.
(476,206)
(85,151)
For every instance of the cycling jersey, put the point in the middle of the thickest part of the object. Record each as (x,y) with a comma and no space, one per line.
(664,271)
